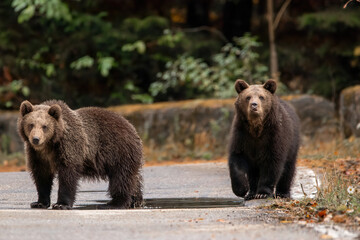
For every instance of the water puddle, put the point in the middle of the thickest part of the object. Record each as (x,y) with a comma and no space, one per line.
(177,203)
(168,203)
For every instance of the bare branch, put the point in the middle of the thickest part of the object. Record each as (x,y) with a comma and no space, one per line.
(349,2)
(302,188)
(281,13)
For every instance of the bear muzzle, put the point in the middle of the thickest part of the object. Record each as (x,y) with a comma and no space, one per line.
(36,140)
(254,107)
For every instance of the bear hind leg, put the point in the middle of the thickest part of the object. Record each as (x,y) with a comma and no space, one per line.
(120,190)
(284,185)
(137,198)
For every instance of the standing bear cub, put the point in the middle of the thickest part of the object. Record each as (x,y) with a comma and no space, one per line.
(89,142)
(264,143)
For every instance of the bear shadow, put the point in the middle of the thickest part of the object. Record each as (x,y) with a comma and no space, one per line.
(171,203)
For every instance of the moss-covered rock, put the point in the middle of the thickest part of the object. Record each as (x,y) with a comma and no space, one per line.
(200,128)
(9,139)
(173,130)
(350,111)
(317,116)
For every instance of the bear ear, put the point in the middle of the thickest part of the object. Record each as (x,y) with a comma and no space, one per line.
(25,108)
(240,85)
(55,111)
(270,85)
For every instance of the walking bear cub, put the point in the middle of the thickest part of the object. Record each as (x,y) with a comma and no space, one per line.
(264,143)
(89,142)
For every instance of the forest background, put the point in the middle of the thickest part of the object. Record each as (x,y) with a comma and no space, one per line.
(113,52)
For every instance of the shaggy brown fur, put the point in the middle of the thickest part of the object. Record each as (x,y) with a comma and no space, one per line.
(88,142)
(264,142)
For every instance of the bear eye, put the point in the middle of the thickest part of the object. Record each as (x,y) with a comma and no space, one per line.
(248,98)
(44,128)
(262,98)
(31,126)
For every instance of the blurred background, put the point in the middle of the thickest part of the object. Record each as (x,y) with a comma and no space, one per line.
(118,52)
(110,52)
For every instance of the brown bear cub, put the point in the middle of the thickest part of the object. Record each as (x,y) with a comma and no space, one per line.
(264,143)
(89,142)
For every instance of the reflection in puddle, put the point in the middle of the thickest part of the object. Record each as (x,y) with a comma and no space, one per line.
(176,203)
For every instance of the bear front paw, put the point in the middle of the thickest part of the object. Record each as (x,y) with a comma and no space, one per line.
(249,196)
(39,205)
(59,206)
(261,196)
(283,195)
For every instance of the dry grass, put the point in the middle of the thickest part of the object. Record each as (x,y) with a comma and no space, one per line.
(338,197)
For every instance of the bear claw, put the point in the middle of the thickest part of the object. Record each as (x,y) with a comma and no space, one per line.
(261,196)
(249,196)
(39,205)
(59,206)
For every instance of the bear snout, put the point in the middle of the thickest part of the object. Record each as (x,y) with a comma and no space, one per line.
(254,106)
(36,140)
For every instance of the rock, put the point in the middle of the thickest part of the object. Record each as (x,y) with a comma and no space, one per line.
(176,130)
(350,111)
(197,128)
(317,116)
(9,139)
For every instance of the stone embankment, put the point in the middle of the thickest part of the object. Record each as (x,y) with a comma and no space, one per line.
(200,128)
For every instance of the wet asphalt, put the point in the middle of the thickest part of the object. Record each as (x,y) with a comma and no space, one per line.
(190,201)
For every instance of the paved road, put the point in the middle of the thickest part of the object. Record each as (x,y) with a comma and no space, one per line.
(178,185)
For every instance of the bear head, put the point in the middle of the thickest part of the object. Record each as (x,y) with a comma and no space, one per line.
(254,103)
(40,124)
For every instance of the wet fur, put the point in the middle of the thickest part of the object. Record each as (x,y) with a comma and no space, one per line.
(89,142)
(263,158)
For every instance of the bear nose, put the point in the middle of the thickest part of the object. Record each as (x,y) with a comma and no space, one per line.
(36,140)
(254,105)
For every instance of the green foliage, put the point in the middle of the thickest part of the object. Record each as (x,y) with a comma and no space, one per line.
(10,92)
(51,9)
(327,60)
(192,77)
(331,20)
(138,46)
(105,64)
(85,54)
(171,39)
(5,143)
(57,50)
(146,29)
(83,62)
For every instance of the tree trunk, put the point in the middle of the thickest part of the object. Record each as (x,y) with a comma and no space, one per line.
(274,71)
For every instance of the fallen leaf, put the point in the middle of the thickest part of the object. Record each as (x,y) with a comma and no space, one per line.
(322,213)
(286,221)
(220,220)
(325,236)
(312,204)
(339,218)
(349,210)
